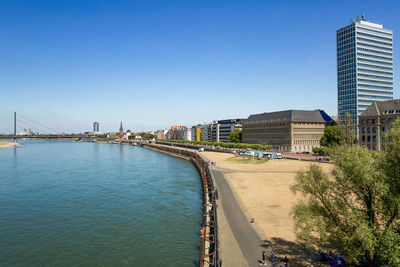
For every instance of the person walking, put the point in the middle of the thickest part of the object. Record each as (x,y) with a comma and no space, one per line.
(264,258)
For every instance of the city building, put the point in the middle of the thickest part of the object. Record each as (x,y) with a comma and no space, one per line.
(218,131)
(204,132)
(226,127)
(196,133)
(127,135)
(375,121)
(364,66)
(96,127)
(121,130)
(187,134)
(160,134)
(286,131)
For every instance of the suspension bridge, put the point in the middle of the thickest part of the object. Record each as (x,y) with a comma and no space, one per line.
(26,126)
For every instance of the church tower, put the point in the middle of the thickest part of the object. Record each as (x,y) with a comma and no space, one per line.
(121,130)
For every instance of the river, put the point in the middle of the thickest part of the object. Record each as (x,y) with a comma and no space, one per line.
(81,204)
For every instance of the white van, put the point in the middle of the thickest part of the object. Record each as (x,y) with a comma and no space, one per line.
(249,153)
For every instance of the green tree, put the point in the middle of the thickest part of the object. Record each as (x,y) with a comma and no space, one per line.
(236,136)
(333,136)
(358,206)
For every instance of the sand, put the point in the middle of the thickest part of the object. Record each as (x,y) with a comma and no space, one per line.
(8,144)
(263,189)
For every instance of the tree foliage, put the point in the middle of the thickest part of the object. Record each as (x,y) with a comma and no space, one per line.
(221,144)
(358,206)
(333,136)
(321,150)
(235,136)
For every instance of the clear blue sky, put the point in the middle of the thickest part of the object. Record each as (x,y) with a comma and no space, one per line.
(152,64)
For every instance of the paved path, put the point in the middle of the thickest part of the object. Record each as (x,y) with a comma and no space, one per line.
(245,237)
(250,242)
(225,170)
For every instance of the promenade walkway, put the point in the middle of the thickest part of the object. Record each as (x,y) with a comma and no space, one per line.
(246,237)
(241,244)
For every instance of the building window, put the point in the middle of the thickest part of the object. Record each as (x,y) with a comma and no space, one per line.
(373,130)
(373,121)
(374,139)
(363,130)
(368,130)
(390,120)
(383,121)
(368,138)
(383,139)
(363,138)
(362,121)
(383,129)
(368,121)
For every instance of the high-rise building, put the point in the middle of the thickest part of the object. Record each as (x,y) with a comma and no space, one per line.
(364,66)
(95,127)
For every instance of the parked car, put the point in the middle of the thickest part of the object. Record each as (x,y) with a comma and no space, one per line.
(258,154)
(278,155)
(267,155)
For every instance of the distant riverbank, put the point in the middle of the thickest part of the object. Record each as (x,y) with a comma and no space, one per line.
(8,144)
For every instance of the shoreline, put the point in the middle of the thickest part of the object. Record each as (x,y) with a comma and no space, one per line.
(209,239)
(8,144)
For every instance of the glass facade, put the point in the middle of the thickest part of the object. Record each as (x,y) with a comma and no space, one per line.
(95,127)
(364,66)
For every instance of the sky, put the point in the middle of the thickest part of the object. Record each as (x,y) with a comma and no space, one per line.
(152,64)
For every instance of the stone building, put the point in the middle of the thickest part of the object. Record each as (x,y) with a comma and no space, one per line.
(375,121)
(286,131)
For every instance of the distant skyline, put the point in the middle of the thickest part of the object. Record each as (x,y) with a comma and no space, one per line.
(153,64)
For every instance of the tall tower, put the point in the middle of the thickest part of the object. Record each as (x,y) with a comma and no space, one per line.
(95,127)
(364,66)
(121,130)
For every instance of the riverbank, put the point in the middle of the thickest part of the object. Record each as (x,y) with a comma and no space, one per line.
(209,243)
(8,144)
(263,191)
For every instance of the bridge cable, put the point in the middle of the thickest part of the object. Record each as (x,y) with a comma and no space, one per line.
(18,114)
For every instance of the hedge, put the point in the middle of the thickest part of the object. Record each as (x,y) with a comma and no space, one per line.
(222,144)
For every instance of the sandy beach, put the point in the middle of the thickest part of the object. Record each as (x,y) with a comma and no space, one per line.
(263,189)
(8,144)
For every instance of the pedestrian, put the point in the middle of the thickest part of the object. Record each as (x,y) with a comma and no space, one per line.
(264,258)
(286,261)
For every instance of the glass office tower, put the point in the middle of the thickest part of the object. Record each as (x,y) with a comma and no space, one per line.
(364,66)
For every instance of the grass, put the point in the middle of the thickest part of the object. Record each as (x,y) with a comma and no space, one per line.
(247,160)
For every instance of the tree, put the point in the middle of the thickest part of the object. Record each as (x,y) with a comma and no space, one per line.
(236,136)
(358,206)
(348,126)
(333,136)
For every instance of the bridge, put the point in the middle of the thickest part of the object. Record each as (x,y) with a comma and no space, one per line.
(75,137)
(22,122)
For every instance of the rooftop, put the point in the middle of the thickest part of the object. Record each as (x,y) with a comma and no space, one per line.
(383,108)
(291,115)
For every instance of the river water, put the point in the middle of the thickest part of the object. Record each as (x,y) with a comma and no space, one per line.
(89,204)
